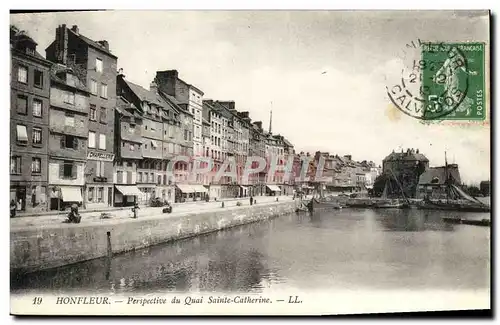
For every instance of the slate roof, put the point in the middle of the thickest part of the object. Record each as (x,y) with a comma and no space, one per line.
(92,43)
(58,68)
(146,95)
(439,174)
(406,156)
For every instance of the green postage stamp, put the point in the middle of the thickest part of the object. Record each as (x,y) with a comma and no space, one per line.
(455,83)
(446,81)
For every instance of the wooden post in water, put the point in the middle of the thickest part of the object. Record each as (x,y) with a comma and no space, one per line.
(110,251)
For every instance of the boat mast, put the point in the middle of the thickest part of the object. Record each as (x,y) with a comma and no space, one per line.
(446,177)
(400,187)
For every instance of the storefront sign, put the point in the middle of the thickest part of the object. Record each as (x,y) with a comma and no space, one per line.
(100,179)
(102,156)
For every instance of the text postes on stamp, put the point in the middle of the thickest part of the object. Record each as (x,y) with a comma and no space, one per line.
(442,81)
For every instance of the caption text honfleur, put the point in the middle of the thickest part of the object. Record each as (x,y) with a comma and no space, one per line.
(187,300)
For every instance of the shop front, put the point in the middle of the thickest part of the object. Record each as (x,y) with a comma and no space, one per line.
(273,190)
(126,195)
(62,197)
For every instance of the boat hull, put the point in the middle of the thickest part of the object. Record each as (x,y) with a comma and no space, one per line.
(453,207)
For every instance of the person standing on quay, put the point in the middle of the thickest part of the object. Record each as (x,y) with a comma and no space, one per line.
(251,200)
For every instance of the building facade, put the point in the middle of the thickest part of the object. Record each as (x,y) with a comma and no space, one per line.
(68,138)
(93,63)
(128,152)
(406,167)
(29,119)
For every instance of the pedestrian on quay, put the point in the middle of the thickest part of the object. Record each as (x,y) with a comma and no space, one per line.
(135,210)
(12,208)
(251,200)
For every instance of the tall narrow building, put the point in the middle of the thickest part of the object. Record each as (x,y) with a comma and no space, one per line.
(68,138)
(29,117)
(93,63)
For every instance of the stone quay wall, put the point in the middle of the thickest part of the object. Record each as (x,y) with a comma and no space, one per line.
(38,248)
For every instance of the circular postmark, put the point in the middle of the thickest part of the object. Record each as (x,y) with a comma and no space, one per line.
(433,80)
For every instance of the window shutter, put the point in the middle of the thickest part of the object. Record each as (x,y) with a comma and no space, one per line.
(98,167)
(63,141)
(75,143)
(73,171)
(61,170)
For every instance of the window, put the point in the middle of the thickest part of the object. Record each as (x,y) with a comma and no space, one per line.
(99,169)
(91,139)
(102,141)
(98,65)
(93,87)
(139,177)
(22,74)
(93,113)
(37,136)
(104,91)
(22,105)
(68,170)
(22,134)
(152,178)
(159,180)
(132,147)
(38,79)
(37,108)
(90,196)
(129,177)
(69,98)
(100,194)
(15,165)
(36,165)
(69,142)
(102,115)
(69,119)
(119,177)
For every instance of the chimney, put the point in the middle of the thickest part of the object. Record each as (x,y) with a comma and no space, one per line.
(228,104)
(153,87)
(166,81)
(348,157)
(208,101)
(104,44)
(244,114)
(75,29)
(259,124)
(418,150)
(61,51)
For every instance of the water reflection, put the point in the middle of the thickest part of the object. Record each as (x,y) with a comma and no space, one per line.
(347,248)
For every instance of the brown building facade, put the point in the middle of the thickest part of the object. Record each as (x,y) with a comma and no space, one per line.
(29,118)
(68,138)
(94,64)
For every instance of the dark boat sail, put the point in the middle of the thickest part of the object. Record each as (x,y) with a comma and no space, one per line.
(456,199)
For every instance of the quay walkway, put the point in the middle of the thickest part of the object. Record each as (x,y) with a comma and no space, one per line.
(126,213)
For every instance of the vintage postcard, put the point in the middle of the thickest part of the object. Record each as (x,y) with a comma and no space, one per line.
(249,162)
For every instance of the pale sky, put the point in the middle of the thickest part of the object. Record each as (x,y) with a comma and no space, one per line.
(324,74)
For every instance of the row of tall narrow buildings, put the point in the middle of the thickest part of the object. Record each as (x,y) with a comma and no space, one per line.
(82,132)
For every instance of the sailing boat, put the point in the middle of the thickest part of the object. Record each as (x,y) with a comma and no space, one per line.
(456,198)
(386,203)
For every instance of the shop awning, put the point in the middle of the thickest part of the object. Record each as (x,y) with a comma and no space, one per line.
(131,190)
(199,188)
(185,188)
(273,188)
(71,194)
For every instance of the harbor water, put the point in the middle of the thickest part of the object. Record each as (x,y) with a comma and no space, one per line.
(340,249)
